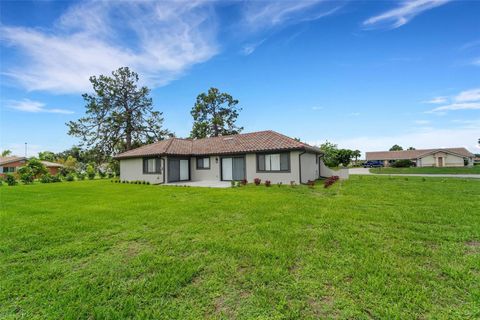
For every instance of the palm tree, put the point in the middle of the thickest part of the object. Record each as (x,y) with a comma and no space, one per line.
(6,153)
(356,154)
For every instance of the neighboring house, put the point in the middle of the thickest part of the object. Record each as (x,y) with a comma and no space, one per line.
(444,157)
(267,155)
(11,165)
(476,160)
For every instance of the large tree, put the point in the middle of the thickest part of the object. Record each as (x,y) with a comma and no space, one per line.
(6,153)
(396,147)
(214,114)
(119,115)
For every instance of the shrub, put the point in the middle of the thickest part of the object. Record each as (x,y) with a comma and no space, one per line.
(402,164)
(80,176)
(10,179)
(244,182)
(311,184)
(111,175)
(257,181)
(56,178)
(148,182)
(102,174)
(37,168)
(292,184)
(331,181)
(232,184)
(26,174)
(46,178)
(70,177)
(267,183)
(279,184)
(1,182)
(91,172)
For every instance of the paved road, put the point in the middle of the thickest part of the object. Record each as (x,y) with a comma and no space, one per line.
(366,171)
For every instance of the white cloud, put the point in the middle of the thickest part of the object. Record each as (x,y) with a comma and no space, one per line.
(421,139)
(165,39)
(317,108)
(468,95)
(27,105)
(457,106)
(437,100)
(354,114)
(267,14)
(249,48)
(403,14)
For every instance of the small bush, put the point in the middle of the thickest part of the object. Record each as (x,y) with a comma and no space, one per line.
(311,184)
(1,182)
(69,177)
(402,164)
(111,175)
(279,184)
(257,181)
(56,178)
(10,179)
(244,182)
(102,174)
(267,183)
(148,182)
(232,184)
(81,176)
(331,181)
(91,172)
(46,178)
(123,181)
(292,184)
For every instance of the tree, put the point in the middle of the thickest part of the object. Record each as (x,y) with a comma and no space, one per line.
(47,156)
(329,154)
(356,154)
(214,114)
(119,115)
(6,153)
(411,148)
(396,147)
(36,166)
(344,156)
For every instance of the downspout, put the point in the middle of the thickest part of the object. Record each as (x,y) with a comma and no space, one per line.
(163,170)
(300,165)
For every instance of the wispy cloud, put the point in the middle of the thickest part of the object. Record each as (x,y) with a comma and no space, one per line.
(165,39)
(437,100)
(316,108)
(465,100)
(401,15)
(468,95)
(354,114)
(249,48)
(27,105)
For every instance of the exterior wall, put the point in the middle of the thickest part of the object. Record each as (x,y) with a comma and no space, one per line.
(53,170)
(309,167)
(327,172)
(449,160)
(212,174)
(274,177)
(16,165)
(132,169)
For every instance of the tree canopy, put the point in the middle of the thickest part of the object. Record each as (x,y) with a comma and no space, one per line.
(396,147)
(6,153)
(119,115)
(215,114)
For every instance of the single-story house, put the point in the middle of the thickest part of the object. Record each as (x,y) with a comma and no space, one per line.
(12,163)
(266,155)
(441,157)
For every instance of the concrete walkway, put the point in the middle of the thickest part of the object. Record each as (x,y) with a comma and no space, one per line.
(365,171)
(206,184)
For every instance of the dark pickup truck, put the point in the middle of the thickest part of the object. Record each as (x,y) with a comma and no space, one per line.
(373,164)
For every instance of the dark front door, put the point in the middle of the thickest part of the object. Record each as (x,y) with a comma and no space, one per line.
(178,170)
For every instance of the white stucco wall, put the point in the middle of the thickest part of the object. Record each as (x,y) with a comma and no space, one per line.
(310,167)
(327,172)
(449,160)
(132,170)
(212,174)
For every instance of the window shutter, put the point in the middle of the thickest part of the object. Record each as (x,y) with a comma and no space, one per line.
(145,165)
(261,162)
(199,163)
(157,165)
(284,162)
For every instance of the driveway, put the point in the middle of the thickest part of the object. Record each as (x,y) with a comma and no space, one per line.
(206,184)
(365,171)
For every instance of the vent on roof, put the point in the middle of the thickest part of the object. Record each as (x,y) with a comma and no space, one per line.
(228,138)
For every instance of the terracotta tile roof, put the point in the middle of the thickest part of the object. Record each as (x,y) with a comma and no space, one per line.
(414,154)
(5,160)
(239,143)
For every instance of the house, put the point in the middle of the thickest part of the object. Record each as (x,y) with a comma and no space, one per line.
(442,157)
(12,163)
(267,155)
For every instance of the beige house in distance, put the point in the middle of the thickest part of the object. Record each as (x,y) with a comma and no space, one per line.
(444,157)
(266,155)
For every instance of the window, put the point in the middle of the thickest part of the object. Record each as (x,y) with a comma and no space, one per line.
(151,165)
(273,162)
(8,169)
(203,163)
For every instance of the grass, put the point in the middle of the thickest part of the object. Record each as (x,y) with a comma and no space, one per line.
(370,247)
(428,170)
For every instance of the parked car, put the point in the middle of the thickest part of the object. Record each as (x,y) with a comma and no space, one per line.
(373,164)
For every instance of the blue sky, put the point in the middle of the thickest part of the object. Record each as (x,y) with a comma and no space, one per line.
(363,74)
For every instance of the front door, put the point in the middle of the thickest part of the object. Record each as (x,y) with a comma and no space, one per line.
(233,168)
(440,161)
(178,169)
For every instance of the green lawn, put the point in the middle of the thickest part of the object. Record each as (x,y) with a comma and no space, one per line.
(370,247)
(428,170)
